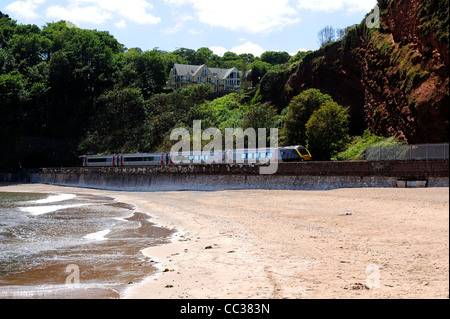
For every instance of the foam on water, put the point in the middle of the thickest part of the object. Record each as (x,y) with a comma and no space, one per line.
(41,210)
(103,239)
(55,198)
(58,291)
(98,235)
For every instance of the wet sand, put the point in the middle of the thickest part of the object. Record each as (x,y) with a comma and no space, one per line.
(96,245)
(344,243)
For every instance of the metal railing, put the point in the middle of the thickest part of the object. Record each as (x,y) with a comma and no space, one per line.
(407,152)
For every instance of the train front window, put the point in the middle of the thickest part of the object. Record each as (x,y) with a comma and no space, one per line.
(303,151)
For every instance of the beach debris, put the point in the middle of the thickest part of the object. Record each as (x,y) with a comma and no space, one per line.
(208,247)
(348,214)
(231,251)
(130,282)
(169,286)
(356,286)
(167,270)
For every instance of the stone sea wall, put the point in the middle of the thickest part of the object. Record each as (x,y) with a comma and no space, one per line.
(289,176)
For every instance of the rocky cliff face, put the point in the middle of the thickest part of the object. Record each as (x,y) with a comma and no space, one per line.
(395,79)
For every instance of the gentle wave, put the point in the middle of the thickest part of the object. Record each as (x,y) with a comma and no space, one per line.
(98,235)
(79,290)
(41,210)
(56,198)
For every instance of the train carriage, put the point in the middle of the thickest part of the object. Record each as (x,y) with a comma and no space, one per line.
(196,157)
(239,156)
(99,160)
(143,159)
(252,156)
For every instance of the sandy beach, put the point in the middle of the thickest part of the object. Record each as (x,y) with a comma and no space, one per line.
(265,244)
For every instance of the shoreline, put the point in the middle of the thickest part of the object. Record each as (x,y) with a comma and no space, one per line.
(259,244)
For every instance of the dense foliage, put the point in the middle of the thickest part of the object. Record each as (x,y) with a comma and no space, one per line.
(355,150)
(327,130)
(85,89)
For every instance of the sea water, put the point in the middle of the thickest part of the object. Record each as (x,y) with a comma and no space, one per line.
(72,246)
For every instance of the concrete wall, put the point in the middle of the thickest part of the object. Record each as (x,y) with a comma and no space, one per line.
(295,176)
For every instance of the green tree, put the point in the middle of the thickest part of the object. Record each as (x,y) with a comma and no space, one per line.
(327,131)
(260,115)
(187,54)
(300,110)
(151,72)
(7,27)
(299,56)
(275,57)
(82,66)
(203,56)
(117,125)
(259,69)
(12,97)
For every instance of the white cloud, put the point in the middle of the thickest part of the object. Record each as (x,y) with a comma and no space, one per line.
(263,16)
(335,5)
(24,9)
(253,16)
(195,32)
(220,51)
(173,30)
(78,15)
(247,47)
(99,11)
(121,24)
(302,50)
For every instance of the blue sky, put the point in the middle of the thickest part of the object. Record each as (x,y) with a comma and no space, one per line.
(240,26)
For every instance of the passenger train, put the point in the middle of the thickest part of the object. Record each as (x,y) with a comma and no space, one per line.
(241,156)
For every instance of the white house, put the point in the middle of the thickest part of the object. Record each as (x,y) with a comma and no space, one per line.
(184,75)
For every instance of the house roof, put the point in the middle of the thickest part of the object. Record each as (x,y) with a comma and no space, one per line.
(192,70)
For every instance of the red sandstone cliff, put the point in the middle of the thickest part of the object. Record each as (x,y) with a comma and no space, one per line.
(395,79)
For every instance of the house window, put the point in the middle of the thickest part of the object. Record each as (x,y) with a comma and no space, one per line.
(199,79)
(188,77)
(208,80)
(204,73)
(217,82)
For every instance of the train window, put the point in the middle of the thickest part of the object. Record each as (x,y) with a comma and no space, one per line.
(97,160)
(139,159)
(269,154)
(303,151)
(243,156)
(262,155)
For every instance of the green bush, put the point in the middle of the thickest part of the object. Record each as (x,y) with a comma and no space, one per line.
(327,130)
(355,150)
(299,111)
